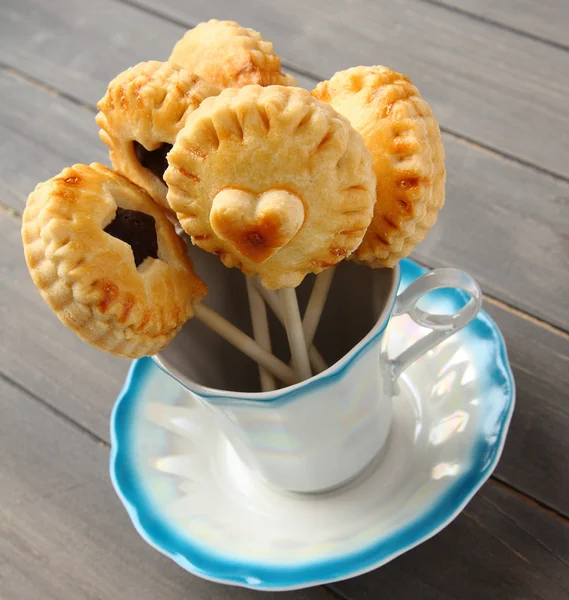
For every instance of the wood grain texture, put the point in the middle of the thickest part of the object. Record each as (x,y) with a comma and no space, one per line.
(546,19)
(484,83)
(536,456)
(42,133)
(78,46)
(81,382)
(63,532)
(509,227)
(45,357)
(500,547)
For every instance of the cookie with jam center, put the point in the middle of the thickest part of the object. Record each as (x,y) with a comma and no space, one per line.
(107,260)
(140,115)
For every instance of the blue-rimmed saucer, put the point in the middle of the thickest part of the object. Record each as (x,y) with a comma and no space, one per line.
(191,498)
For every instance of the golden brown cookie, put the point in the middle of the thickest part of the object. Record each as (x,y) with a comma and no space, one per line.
(126,297)
(274,181)
(405,142)
(228,55)
(141,114)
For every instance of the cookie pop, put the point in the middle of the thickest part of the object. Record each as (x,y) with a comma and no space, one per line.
(405,143)
(107,260)
(276,183)
(228,55)
(140,116)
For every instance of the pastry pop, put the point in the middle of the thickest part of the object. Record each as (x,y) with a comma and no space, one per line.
(228,55)
(277,184)
(405,143)
(108,261)
(272,180)
(140,116)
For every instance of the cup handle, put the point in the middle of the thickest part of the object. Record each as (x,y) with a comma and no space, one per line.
(442,326)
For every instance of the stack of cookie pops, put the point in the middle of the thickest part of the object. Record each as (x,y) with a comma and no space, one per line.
(219,145)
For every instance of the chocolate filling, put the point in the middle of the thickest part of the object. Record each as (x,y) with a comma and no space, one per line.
(153,160)
(138,230)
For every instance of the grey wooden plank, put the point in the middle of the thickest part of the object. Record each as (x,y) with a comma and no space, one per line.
(78,46)
(46,133)
(499,222)
(48,360)
(536,456)
(484,83)
(63,532)
(500,547)
(508,226)
(45,357)
(546,19)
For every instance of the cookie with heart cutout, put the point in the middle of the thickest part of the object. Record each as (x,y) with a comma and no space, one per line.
(272,180)
(140,115)
(228,55)
(408,155)
(107,260)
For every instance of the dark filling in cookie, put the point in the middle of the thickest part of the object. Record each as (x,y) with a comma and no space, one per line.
(153,160)
(138,230)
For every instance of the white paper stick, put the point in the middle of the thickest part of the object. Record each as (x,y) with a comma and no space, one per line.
(295,333)
(244,343)
(260,332)
(272,299)
(316,303)
(316,360)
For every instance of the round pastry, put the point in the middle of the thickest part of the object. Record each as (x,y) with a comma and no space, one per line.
(108,262)
(272,180)
(228,55)
(141,114)
(405,142)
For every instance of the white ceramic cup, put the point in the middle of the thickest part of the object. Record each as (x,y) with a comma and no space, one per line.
(322,432)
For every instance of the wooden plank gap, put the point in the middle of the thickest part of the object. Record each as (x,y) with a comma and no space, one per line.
(293,68)
(527,317)
(497,24)
(43,85)
(501,154)
(19,386)
(510,308)
(552,512)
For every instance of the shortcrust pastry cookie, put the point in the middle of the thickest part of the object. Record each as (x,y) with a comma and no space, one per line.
(272,180)
(405,142)
(108,262)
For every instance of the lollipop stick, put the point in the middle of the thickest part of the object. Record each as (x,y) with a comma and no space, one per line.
(316,303)
(260,331)
(295,333)
(272,299)
(243,342)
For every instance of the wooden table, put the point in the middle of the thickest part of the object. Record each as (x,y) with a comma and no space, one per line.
(496,75)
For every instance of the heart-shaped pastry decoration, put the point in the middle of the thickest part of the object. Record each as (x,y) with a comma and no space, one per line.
(257,226)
